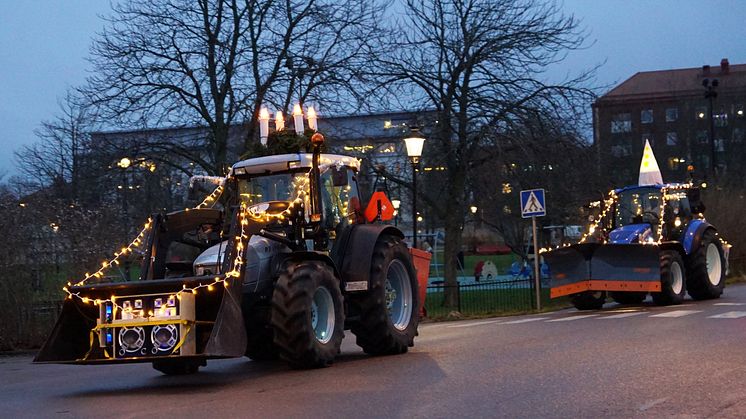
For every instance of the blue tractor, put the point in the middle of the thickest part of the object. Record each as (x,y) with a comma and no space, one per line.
(648,239)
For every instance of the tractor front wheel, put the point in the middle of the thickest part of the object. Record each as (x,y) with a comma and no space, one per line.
(589,300)
(706,268)
(308,315)
(388,311)
(673,285)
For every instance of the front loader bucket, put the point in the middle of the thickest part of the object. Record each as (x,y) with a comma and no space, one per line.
(604,267)
(208,324)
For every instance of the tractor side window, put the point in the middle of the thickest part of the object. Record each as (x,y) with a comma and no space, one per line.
(339,202)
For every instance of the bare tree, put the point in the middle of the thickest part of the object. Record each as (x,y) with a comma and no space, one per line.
(55,158)
(213,63)
(479,64)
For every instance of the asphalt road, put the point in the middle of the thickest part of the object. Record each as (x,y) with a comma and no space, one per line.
(644,361)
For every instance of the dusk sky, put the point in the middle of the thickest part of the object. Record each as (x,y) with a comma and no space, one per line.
(43,46)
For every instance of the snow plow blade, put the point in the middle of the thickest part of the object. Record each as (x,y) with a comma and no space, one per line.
(604,267)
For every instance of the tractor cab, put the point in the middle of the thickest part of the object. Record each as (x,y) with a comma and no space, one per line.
(641,211)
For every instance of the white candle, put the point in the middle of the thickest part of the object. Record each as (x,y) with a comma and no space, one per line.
(312,118)
(298,119)
(279,121)
(263,126)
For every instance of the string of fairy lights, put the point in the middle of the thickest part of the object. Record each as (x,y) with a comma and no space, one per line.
(668,192)
(209,201)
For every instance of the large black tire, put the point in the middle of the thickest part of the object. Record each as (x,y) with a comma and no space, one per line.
(176,366)
(260,345)
(389,310)
(673,285)
(589,300)
(308,315)
(706,278)
(631,297)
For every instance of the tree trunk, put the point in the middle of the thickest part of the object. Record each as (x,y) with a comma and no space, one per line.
(453,228)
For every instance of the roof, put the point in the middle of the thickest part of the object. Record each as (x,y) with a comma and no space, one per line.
(678,82)
(657,186)
(284,162)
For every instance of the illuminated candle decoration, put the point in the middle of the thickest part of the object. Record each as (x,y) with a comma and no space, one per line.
(312,118)
(279,121)
(298,119)
(263,126)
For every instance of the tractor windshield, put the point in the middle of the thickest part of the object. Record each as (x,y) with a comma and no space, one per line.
(638,206)
(275,187)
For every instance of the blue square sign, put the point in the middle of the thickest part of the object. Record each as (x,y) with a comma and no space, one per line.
(533,204)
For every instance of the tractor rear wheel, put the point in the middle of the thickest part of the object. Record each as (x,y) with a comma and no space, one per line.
(673,285)
(389,310)
(589,300)
(706,268)
(308,315)
(632,297)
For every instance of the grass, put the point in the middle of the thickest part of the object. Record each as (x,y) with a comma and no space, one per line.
(492,302)
(502,262)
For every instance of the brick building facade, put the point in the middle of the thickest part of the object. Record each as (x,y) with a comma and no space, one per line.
(669,109)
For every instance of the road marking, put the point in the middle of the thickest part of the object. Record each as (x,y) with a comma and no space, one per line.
(730,304)
(474,324)
(622,315)
(532,319)
(729,315)
(569,319)
(676,313)
(651,403)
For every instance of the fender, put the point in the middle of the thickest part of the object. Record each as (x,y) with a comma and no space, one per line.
(300,256)
(693,235)
(353,252)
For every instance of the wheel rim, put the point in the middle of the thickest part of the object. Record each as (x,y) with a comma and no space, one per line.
(714,269)
(677,278)
(398,295)
(322,315)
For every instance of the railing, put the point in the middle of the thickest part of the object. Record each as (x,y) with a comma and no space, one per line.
(509,296)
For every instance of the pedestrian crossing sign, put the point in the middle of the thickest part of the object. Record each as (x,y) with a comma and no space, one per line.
(533,204)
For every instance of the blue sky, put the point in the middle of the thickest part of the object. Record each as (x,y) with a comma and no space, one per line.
(43,45)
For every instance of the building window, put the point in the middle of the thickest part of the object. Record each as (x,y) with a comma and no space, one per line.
(672,138)
(621,123)
(649,137)
(701,112)
(720,145)
(387,124)
(623,150)
(672,114)
(703,137)
(739,111)
(738,135)
(721,118)
(674,163)
(646,116)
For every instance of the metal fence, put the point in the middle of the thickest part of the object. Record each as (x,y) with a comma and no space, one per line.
(508,296)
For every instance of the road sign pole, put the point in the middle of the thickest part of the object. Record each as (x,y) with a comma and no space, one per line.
(537,278)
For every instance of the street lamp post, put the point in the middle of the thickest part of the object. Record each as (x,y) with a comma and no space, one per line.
(710,95)
(414,145)
(124,164)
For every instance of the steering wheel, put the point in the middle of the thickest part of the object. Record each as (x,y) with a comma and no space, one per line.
(269,207)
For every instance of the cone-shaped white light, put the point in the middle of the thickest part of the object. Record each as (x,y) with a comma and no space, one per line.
(650,173)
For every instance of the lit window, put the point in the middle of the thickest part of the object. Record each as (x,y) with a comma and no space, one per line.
(674,163)
(621,123)
(507,188)
(646,116)
(672,138)
(701,112)
(739,111)
(387,125)
(672,114)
